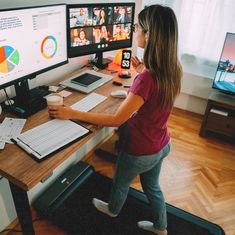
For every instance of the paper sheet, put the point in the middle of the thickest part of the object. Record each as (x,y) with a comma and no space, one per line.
(10,128)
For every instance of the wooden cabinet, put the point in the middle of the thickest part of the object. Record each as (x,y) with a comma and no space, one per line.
(219,117)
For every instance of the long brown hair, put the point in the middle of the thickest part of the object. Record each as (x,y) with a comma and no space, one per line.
(160,54)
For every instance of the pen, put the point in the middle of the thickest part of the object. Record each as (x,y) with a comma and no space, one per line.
(126,86)
(26,147)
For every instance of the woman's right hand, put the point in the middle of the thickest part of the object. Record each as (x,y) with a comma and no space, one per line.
(61,112)
(137,64)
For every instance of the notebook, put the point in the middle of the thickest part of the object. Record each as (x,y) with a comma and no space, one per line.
(48,138)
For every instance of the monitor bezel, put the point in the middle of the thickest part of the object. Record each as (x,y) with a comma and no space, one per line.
(213,84)
(33,75)
(101,50)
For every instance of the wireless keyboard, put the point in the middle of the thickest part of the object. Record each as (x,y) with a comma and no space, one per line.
(89,102)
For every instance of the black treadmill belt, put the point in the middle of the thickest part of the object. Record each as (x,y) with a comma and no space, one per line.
(78,216)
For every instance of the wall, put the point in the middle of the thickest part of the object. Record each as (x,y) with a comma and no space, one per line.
(7,209)
(196,86)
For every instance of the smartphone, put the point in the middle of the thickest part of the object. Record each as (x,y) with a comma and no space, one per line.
(126,59)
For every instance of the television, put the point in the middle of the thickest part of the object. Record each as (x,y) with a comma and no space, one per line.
(99,27)
(32,40)
(224,80)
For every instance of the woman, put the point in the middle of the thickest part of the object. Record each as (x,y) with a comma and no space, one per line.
(121,33)
(81,17)
(82,40)
(96,34)
(103,34)
(143,116)
(102,17)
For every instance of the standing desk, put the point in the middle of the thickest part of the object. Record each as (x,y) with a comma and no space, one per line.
(23,172)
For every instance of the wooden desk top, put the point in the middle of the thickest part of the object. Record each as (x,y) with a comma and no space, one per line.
(21,169)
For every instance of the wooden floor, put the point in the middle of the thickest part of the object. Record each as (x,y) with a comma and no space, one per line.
(198,175)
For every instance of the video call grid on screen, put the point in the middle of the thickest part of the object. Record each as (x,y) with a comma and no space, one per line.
(100,27)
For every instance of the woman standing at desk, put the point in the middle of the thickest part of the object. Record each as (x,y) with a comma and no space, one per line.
(143,116)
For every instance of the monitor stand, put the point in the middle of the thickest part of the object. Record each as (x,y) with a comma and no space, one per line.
(28,102)
(100,62)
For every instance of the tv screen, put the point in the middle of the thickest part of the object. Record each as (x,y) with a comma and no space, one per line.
(225,74)
(99,27)
(32,40)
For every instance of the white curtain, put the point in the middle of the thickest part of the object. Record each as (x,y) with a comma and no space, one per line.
(203,25)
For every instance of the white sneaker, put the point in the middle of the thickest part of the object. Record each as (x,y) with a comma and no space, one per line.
(102,207)
(148,226)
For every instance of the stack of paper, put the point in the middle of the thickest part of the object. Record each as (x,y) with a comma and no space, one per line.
(10,128)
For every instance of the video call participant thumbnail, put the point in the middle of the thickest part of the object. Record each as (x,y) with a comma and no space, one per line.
(81,36)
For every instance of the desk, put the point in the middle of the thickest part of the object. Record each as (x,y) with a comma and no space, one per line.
(23,172)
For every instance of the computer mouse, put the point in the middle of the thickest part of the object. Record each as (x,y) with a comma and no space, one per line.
(119,94)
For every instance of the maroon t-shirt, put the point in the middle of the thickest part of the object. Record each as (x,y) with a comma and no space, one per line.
(146,131)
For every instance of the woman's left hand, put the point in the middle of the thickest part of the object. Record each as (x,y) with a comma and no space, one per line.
(137,64)
(60,112)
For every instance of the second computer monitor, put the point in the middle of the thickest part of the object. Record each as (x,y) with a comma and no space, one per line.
(95,28)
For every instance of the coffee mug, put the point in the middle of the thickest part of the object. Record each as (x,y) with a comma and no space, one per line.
(54,99)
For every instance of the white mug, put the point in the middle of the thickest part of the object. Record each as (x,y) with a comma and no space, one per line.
(54,99)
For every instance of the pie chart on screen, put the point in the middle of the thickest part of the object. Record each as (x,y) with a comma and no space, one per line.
(9,59)
(49,47)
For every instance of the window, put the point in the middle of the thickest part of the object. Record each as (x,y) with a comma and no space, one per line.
(203,25)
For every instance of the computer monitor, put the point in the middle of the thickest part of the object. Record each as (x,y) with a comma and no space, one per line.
(224,79)
(32,40)
(95,28)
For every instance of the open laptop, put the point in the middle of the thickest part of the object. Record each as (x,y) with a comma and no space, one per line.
(86,81)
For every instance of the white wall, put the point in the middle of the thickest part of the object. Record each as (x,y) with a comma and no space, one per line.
(7,210)
(196,86)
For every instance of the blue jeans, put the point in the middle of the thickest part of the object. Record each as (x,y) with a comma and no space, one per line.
(148,167)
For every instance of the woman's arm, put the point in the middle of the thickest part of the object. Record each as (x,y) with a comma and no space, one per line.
(128,107)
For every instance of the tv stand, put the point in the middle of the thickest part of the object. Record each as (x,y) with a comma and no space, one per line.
(219,116)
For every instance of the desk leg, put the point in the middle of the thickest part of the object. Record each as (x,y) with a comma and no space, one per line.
(22,206)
